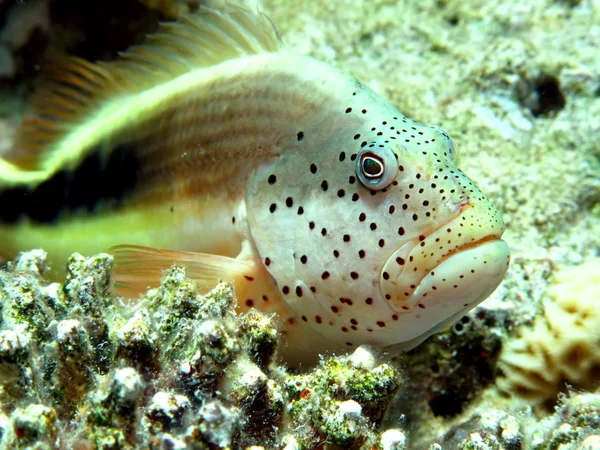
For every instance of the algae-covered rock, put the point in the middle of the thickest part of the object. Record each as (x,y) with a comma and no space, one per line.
(342,400)
(174,369)
(33,426)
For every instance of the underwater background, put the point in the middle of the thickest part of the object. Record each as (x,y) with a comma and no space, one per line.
(515,83)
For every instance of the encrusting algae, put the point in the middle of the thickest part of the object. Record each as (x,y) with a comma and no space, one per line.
(240,161)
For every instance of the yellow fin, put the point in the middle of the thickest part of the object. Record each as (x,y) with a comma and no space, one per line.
(138,268)
(72,89)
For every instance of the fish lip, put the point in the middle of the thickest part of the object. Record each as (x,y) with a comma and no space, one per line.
(398,284)
(411,300)
(469,245)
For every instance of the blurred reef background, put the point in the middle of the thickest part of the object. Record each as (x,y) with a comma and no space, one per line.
(515,83)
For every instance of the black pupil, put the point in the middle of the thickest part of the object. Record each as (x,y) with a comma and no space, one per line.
(372,167)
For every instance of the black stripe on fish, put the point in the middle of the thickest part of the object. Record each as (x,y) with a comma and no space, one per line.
(97,180)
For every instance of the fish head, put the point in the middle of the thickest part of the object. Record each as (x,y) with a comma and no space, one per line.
(373,234)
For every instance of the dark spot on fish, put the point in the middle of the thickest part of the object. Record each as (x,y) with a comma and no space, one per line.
(300,135)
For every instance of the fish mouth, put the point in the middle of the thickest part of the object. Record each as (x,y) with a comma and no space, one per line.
(460,263)
(468,246)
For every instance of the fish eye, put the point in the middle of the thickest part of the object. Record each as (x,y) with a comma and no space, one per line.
(376,166)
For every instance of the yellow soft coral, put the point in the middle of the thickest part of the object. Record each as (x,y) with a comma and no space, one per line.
(563,346)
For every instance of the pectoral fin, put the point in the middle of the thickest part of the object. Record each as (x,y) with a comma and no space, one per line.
(138,268)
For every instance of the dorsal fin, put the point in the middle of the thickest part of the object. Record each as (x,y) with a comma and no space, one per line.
(72,89)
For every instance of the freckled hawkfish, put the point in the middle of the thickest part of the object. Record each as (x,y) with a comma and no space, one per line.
(212,147)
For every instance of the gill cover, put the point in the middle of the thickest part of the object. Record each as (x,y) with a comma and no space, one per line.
(278,207)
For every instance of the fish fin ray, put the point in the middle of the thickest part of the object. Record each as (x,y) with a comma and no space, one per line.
(68,87)
(72,88)
(137,268)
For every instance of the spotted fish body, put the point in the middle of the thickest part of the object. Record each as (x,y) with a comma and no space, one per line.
(252,164)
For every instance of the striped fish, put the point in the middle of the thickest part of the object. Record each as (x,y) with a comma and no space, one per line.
(213,147)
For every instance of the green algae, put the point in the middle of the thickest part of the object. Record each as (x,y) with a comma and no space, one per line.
(317,400)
